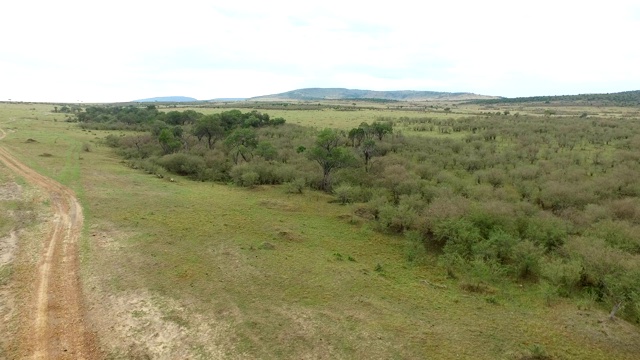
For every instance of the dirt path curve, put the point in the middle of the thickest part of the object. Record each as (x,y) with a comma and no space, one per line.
(56,328)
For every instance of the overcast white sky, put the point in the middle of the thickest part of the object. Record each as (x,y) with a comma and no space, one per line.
(108,51)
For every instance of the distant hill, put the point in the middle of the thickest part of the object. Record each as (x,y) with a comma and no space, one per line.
(168,99)
(226,99)
(625,98)
(354,94)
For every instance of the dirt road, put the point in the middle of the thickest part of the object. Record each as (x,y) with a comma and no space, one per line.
(56,328)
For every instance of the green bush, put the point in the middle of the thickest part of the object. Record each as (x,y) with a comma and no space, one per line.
(295,186)
(546,231)
(111,141)
(396,218)
(415,250)
(498,247)
(619,234)
(526,260)
(249,179)
(237,171)
(457,236)
(345,193)
(183,164)
(565,274)
(611,274)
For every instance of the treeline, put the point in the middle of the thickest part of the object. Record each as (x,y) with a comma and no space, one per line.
(149,117)
(625,98)
(542,200)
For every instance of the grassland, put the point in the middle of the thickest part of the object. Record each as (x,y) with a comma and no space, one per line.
(199,270)
(344,115)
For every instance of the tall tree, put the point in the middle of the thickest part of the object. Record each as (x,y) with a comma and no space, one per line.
(240,143)
(209,126)
(168,141)
(380,129)
(368,150)
(330,155)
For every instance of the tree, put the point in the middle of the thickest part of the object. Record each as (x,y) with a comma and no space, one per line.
(380,129)
(356,134)
(230,119)
(241,143)
(173,118)
(209,126)
(368,150)
(190,116)
(266,150)
(168,141)
(329,155)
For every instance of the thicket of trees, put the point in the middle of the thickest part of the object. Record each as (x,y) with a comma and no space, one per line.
(625,98)
(527,199)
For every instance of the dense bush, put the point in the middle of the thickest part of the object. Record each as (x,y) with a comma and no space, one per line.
(183,164)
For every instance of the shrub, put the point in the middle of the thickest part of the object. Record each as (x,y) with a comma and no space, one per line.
(546,231)
(617,234)
(249,179)
(344,193)
(267,173)
(565,274)
(493,215)
(526,260)
(111,141)
(413,202)
(457,236)
(294,186)
(266,150)
(288,173)
(498,247)
(625,209)
(415,250)
(396,218)
(218,166)
(557,196)
(183,164)
(237,171)
(611,274)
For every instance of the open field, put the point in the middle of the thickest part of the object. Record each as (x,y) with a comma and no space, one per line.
(344,115)
(190,269)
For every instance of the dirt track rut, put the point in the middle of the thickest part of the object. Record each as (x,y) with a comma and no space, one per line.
(57,328)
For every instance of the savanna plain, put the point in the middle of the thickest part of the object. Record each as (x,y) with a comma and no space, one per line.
(333,230)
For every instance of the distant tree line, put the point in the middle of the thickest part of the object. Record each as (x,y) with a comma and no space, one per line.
(626,98)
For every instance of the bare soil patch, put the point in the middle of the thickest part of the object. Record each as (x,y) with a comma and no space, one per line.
(8,246)
(10,191)
(57,328)
(154,327)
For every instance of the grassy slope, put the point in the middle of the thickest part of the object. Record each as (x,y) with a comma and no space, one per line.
(197,246)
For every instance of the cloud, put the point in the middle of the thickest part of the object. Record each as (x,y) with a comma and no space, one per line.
(120,50)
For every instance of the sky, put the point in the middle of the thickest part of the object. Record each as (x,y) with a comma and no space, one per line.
(113,51)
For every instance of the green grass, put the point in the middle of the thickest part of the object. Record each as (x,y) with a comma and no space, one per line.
(201,246)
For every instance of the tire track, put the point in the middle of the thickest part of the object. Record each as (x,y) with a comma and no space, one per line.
(58,329)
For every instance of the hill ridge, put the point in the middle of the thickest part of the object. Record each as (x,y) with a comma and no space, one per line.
(168,99)
(316,93)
